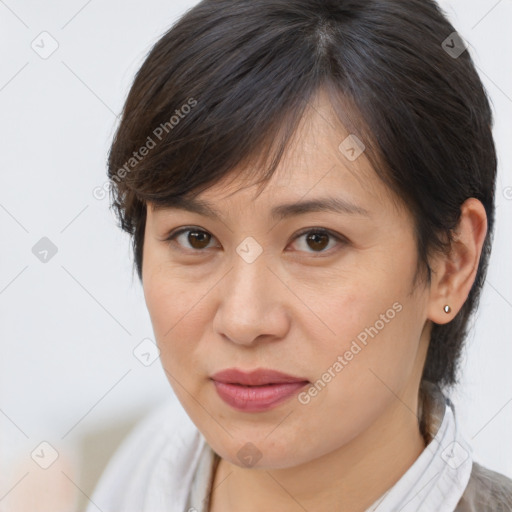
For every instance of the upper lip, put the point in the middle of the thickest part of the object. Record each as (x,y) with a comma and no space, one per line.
(256,377)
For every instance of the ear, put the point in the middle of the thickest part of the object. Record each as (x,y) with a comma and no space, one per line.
(454,273)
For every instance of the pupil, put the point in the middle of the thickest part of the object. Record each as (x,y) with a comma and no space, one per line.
(195,238)
(314,238)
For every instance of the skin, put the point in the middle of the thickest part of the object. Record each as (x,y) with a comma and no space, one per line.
(296,308)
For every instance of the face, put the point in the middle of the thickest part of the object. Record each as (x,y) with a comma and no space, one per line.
(324,296)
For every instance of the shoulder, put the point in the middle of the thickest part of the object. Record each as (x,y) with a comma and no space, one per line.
(153,451)
(487,491)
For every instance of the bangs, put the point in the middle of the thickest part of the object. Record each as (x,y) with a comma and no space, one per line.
(232,96)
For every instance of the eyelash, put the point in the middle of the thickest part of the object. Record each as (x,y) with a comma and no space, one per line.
(322,231)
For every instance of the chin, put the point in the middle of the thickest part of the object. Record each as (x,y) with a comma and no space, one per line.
(260,454)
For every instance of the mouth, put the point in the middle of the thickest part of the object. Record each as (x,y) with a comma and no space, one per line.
(258,377)
(258,390)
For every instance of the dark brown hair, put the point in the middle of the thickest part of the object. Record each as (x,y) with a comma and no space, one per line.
(229,83)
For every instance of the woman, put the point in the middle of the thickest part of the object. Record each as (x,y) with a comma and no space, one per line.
(310,190)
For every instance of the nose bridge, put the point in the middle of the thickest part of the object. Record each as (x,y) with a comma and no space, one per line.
(248,306)
(248,280)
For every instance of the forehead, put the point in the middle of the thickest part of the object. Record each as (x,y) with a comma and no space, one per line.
(323,169)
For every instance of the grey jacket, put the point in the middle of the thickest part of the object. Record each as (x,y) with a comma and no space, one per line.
(487,491)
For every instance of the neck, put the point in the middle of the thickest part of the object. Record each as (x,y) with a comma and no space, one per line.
(349,479)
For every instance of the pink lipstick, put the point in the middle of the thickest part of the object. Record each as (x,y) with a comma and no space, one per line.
(257,390)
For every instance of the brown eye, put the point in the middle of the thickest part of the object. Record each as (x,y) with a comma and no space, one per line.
(192,239)
(198,239)
(316,240)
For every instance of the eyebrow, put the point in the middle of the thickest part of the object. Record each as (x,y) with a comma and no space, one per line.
(280,212)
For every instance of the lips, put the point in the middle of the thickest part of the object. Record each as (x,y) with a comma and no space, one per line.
(257,377)
(258,390)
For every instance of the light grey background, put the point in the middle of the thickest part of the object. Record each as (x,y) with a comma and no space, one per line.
(69,326)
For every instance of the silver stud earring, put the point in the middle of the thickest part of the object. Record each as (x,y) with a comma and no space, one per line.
(447,308)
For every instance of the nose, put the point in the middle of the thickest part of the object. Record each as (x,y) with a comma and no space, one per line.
(252,305)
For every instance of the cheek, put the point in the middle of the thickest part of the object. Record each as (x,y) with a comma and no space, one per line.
(180,309)
(176,334)
(372,335)
(171,309)
(168,298)
(356,377)
(375,326)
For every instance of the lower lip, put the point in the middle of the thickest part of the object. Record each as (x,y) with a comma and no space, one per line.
(256,398)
